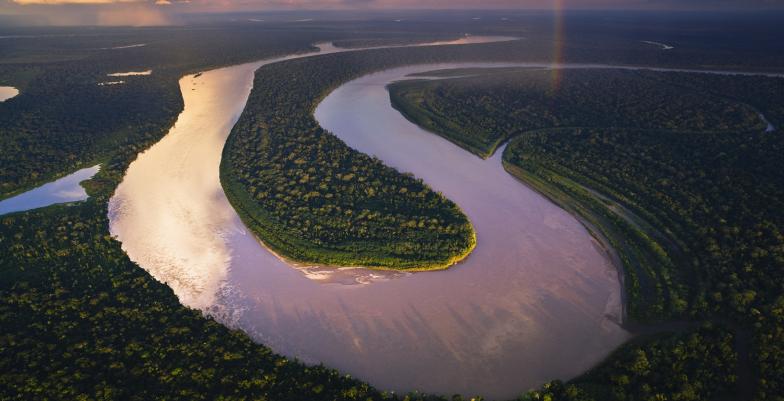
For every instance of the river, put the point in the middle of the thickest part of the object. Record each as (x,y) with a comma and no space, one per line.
(536,300)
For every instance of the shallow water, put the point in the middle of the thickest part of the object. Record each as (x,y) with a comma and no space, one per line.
(63,190)
(7,92)
(536,300)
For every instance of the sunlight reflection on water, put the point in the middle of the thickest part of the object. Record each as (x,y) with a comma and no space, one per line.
(530,304)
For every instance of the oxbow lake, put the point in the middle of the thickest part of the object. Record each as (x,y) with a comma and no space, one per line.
(63,190)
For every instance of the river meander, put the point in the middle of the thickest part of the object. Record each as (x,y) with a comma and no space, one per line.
(536,300)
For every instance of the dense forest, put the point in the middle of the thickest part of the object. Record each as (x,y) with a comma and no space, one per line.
(63,120)
(691,201)
(483,108)
(536,99)
(57,71)
(700,365)
(724,193)
(312,199)
(81,321)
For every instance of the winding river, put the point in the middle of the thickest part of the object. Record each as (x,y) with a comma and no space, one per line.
(536,300)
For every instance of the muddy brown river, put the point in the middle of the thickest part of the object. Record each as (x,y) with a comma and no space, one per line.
(537,299)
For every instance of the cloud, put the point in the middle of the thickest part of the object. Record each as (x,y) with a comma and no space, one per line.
(224,5)
(161,12)
(61,2)
(142,15)
(89,12)
(92,2)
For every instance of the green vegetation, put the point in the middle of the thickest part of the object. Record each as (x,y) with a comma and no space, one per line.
(63,120)
(723,194)
(699,365)
(690,197)
(538,99)
(651,284)
(81,321)
(764,93)
(311,198)
(321,202)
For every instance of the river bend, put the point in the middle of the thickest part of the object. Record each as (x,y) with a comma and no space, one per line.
(535,301)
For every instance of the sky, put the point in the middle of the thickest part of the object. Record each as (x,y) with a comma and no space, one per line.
(159,12)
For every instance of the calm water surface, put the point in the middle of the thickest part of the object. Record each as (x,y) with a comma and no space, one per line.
(66,189)
(536,300)
(170,211)
(7,92)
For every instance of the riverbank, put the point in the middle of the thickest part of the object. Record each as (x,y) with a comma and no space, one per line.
(315,211)
(437,125)
(634,252)
(463,326)
(303,254)
(528,247)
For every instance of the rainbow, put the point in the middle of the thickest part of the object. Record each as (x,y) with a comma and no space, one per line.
(558,43)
